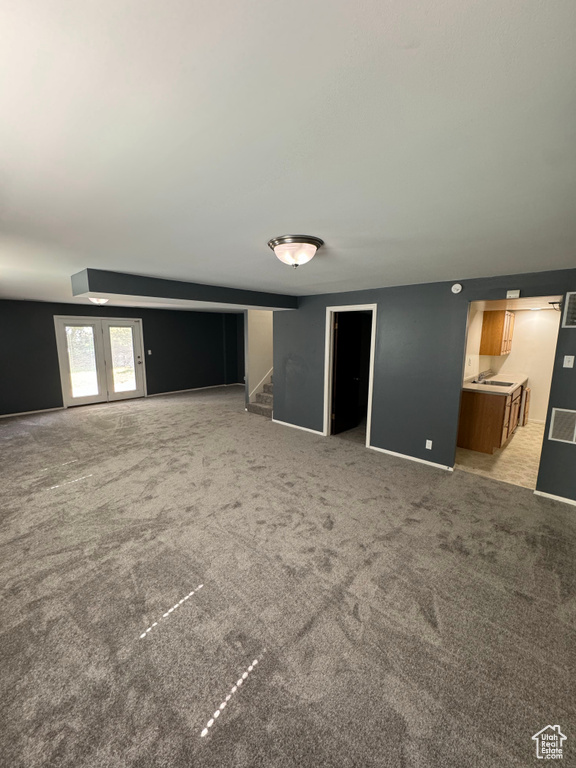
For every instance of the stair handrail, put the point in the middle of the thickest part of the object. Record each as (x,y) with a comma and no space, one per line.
(262,381)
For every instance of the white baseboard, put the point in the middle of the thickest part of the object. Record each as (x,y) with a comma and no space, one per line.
(28,413)
(156,394)
(556,498)
(295,426)
(411,458)
(373,447)
(195,389)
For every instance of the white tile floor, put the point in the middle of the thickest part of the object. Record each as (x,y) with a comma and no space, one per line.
(517,463)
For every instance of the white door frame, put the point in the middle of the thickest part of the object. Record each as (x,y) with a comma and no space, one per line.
(139,364)
(329,363)
(62,345)
(59,322)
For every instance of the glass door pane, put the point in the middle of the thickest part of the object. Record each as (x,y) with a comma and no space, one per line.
(100,359)
(124,358)
(122,354)
(82,360)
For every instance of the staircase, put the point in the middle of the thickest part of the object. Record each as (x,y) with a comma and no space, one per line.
(264,401)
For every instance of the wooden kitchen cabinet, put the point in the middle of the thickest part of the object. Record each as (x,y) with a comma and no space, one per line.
(488,421)
(497,332)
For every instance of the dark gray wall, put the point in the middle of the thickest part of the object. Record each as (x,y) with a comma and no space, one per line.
(95,281)
(234,348)
(241,349)
(189,349)
(420,346)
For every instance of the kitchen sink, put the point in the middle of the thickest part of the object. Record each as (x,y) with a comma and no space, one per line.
(495,383)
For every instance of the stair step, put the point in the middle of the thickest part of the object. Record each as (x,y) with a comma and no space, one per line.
(269,388)
(260,409)
(265,398)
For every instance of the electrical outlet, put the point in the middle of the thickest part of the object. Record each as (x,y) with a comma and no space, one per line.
(568,361)
(429,445)
(149,351)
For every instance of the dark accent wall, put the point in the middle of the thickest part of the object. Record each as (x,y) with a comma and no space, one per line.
(234,348)
(189,349)
(420,346)
(241,349)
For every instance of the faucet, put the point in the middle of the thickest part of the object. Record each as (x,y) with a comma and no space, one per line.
(483,375)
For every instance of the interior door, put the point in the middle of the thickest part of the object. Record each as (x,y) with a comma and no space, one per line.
(347,371)
(124,358)
(100,359)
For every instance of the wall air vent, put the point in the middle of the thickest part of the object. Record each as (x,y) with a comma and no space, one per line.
(569,319)
(563,426)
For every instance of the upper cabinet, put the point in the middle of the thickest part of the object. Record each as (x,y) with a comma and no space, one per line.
(497,330)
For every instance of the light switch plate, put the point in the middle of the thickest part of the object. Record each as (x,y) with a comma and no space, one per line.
(512,294)
(568,361)
(429,444)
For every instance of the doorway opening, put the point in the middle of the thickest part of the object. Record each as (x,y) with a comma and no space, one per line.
(508,366)
(101,359)
(349,371)
(259,355)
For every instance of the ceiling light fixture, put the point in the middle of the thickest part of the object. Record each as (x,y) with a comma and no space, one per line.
(97,301)
(295,249)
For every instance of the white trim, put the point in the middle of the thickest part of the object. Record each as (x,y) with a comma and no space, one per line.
(138,347)
(565,314)
(60,322)
(328,362)
(105,402)
(556,498)
(262,381)
(412,458)
(26,413)
(195,389)
(102,353)
(295,426)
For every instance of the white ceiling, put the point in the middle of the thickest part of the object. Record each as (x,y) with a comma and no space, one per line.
(421,141)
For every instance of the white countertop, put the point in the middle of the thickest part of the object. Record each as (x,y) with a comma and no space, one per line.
(517,379)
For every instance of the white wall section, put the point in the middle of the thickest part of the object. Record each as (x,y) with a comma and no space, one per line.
(474,363)
(533,348)
(259,346)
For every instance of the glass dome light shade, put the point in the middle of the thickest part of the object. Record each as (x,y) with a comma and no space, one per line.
(295,250)
(295,254)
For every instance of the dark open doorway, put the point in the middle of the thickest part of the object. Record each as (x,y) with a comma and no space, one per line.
(351,352)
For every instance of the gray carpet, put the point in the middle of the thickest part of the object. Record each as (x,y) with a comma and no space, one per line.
(400,615)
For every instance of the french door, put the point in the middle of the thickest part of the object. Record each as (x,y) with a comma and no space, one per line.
(100,359)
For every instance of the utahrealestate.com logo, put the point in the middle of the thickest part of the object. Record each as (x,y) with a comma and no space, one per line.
(549,743)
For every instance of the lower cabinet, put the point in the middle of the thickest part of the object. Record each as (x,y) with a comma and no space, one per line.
(488,421)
